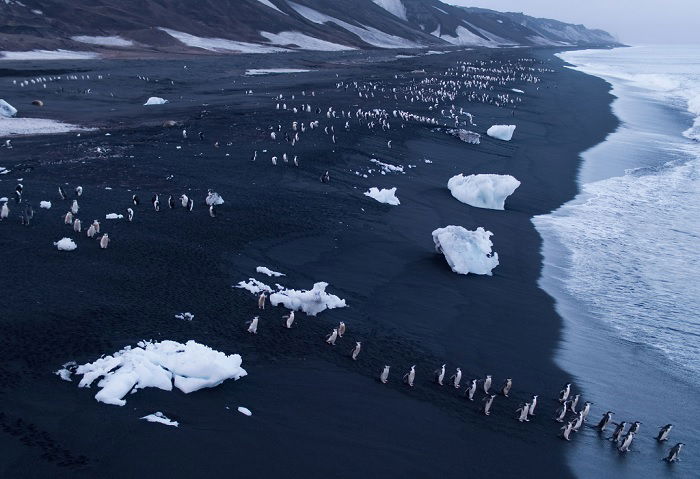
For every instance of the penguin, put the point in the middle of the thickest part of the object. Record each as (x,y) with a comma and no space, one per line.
(74,208)
(440,375)
(104,241)
(184,200)
(135,200)
(457,378)
(561,413)
(505,389)
(91,231)
(330,339)
(253,328)
(356,351)
(155,201)
(471,390)
(201,136)
(388,144)
(289,320)
(4,211)
(488,402)
(487,384)
(96,224)
(171,202)
(184,134)
(326,177)
(586,409)
(27,214)
(61,193)
(212,211)
(18,193)
(564,393)
(625,444)
(617,433)
(129,214)
(78,191)
(533,403)
(261,300)
(635,427)
(579,421)
(190,204)
(674,453)
(410,376)
(573,403)
(384,376)
(566,430)
(77,226)
(341,329)
(68,219)
(664,432)
(523,411)
(607,417)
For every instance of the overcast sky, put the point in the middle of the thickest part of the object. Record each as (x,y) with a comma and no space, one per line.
(632,21)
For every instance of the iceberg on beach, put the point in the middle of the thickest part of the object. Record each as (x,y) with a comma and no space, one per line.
(7,110)
(155,100)
(311,302)
(65,244)
(189,367)
(466,251)
(387,196)
(484,190)
(501,132)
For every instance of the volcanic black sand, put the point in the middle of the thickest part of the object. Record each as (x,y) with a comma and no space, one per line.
(316,413)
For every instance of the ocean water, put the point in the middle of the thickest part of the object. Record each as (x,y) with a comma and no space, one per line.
(631,239)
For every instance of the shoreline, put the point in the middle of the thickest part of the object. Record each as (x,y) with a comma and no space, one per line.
(403,299)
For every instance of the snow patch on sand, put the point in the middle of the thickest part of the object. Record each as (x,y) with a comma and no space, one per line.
(270,71)
(387,196)
(114,41)
(311,302)
(304,42)
(501,132)
(484,190)
(189,367)
(48,55)
(161,418)
(219,44)
(395,7)
(466,251)
(36,126)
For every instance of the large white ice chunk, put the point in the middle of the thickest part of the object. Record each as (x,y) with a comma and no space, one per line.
(384,195)
(155,100)
(483,191)
(190,367)
(466,251)
(501,132)
(7,110)
(311,302)
(65,244)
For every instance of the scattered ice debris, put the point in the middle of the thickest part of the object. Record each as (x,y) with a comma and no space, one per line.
(185,316)
(67,369)
(386,167)
(501,132)
(466,251)
(189,367)
(65,244)
(466,136)
(161,418)
(254,286)
(7,110)
(427,161)
(268,271)
(484,190)
(311,302)
(113,216)
(155,100)
(270,71)
(244,410)
(516,90)
(214,198)
(115,41)
(387,196)
(45,204)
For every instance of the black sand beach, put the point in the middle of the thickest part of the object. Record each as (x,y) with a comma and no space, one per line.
(316,413)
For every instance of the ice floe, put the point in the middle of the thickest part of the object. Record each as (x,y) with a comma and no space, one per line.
(161,418)
(311,302)
(483,190)
(501,132)
(155,100)
(65,244)
(113,41)
(189,367)
(271,5)
(387,196)
(466,251)
(268,271)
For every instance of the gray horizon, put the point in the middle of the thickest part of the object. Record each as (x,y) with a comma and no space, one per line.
(635,22)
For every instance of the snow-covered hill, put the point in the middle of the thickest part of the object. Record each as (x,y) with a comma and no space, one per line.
(137,27)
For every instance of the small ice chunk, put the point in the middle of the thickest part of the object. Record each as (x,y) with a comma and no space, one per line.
(185,316)
(65,244)
(161,418)
(466,136)
(483,191)
(516,90)
(45,204)
(268,271)
(466,251)
(387,196)
(244,410)
(501,132)
(113,216)
(155,100)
